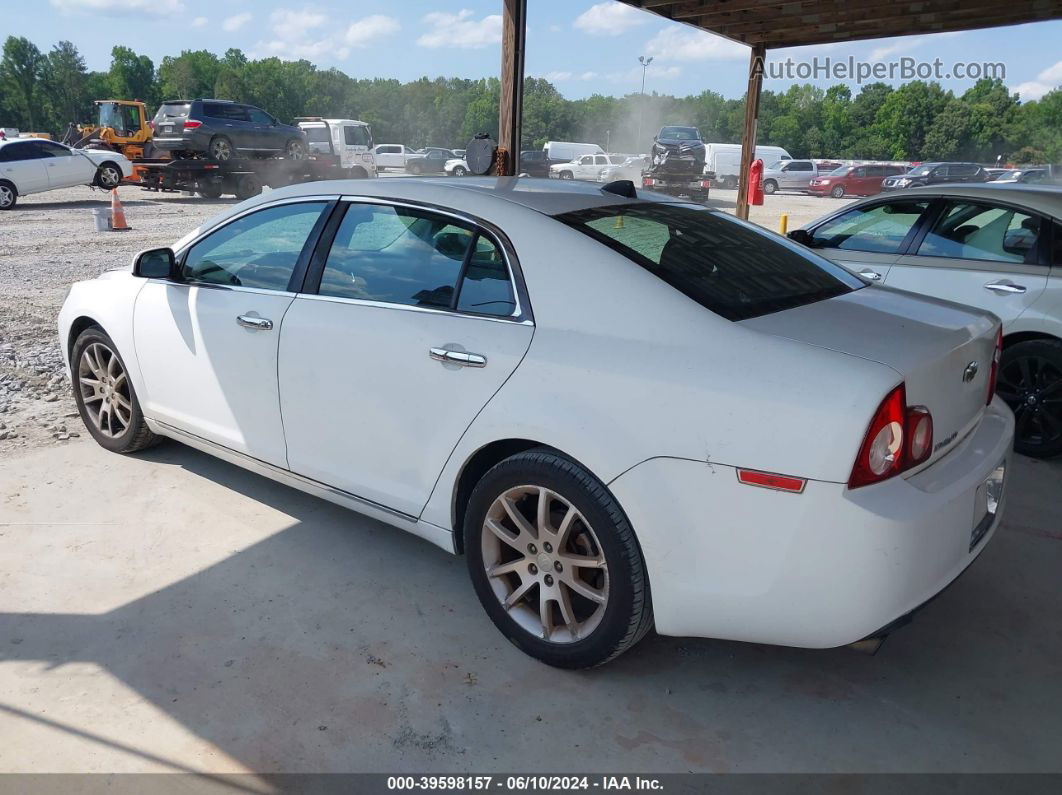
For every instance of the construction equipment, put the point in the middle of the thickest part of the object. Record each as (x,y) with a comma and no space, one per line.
(121,125)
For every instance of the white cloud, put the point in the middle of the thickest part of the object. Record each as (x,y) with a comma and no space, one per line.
(200,22)
(906,43)
(365,31)
(564,77)
(158,8)
(296,35)
(678,44)
(236,21)
(609,19)
(1048,80)
(461,30)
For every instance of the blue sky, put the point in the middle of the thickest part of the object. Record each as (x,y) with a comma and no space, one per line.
(584,47)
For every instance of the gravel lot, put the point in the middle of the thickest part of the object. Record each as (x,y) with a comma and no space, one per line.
(49,241)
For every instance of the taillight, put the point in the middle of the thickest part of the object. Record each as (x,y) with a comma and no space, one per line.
(648,182)
(151,124)
(994,372)
(899,437)
(191,124)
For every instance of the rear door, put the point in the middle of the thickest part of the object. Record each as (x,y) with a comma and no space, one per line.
(22,163)
(413,328)
(264,131)
(797,175)
(869,238)
(233,122)
(979,253)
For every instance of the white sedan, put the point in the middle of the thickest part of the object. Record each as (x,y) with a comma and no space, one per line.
(624,411)
(33,165)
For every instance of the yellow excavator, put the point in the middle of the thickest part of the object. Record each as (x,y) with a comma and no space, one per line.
(121,125)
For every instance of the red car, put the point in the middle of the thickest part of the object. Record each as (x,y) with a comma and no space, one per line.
(853,180)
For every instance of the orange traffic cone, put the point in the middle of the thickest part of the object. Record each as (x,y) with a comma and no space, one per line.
(118,222)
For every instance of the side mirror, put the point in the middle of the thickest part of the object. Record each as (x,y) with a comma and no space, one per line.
(800,236)
(156,263)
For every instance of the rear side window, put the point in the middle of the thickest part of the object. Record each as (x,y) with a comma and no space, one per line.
(981,232)
(316,135)
(18,151)
(261,117)
(880,228)
(399,255)
(723,264)
(221,110)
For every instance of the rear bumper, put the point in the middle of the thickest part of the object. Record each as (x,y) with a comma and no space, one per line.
(819,569)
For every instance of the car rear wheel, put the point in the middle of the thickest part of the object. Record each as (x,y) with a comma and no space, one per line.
(1030,381)
(221,148)
(8,195)
(104,395)
(770,186)
(837,192)
(567,175)
(460,171)
(108,176)
(554,561)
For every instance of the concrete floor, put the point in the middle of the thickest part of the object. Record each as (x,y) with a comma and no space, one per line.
(171,612)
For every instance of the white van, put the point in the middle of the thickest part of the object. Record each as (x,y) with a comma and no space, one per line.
(725,161)
(567,151)
(348,139)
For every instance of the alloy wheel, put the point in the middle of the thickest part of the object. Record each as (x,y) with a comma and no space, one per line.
(221,149)
(105,390)
(544,564)
(1032,387)
(110,177)
(7,196)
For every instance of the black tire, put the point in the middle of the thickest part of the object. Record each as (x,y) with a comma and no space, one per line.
(837,191)
(627,613)
(567,175)
(415,168)
(248,185)
(1030,381)
(460,171)
(357,172)
(221,149)
(295,149)
(210,191)
(108,176)
(770,186)
(134,434)
(8,195)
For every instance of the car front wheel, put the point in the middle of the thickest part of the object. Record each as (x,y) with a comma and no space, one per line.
(1030,382)
(104,395)
(108,176)
(837,192)
(554,561)
(460,171)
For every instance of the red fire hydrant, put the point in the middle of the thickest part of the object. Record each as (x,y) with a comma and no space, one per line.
(755,195)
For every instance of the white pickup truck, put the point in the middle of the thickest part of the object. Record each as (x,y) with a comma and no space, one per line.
(587,167)
(392,156)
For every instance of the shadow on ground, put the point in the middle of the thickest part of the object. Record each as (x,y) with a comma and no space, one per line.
(339,644)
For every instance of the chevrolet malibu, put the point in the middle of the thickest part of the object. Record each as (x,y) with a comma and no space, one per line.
(624,411)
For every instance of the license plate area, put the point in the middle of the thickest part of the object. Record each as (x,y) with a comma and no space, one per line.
(986,503)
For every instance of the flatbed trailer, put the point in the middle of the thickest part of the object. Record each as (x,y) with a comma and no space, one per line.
(242,178)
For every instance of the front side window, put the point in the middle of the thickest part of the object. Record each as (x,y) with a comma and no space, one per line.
(49,149)
(356,136)
(725,265)
(400,255)
(982,232)
(860,172)
(880,228)
(261,117)
(259,250)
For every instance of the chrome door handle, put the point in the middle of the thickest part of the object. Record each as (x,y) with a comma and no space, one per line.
(458,357)
(256,323)
(867,273)
(1005,287)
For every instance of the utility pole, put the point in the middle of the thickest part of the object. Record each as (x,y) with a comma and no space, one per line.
(641,111)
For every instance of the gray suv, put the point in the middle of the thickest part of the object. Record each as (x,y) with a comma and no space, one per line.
(223,130)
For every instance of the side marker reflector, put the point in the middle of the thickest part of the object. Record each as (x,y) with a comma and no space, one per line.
(770,480)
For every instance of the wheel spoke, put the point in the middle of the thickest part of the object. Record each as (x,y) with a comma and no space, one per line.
(1026,373)
(582,588)
(507,568)
(519,593)
(112,362)
(1052,388)
(582,561)
(503,534)
(542,514)
(564,603)
(92,398)
(566,526)
(545,615)
(518,519)
(123,403)
(119,379)
(92,382)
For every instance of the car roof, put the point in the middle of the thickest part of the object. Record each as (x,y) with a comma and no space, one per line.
(1046,199)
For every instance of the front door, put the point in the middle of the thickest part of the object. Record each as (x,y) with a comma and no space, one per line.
(868,239)
(65,167)
(415,326)
(980,254)
(207,345)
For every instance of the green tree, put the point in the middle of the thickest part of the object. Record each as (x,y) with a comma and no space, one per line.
(21,70)
(131,76)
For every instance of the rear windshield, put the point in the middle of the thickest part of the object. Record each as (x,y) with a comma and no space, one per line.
(679,134)
(173,110)
(725,265)
(316,135)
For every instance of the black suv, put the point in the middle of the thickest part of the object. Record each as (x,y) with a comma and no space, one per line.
(223,130)
(934,174)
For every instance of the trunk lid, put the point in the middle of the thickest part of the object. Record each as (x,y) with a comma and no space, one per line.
(941,350)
